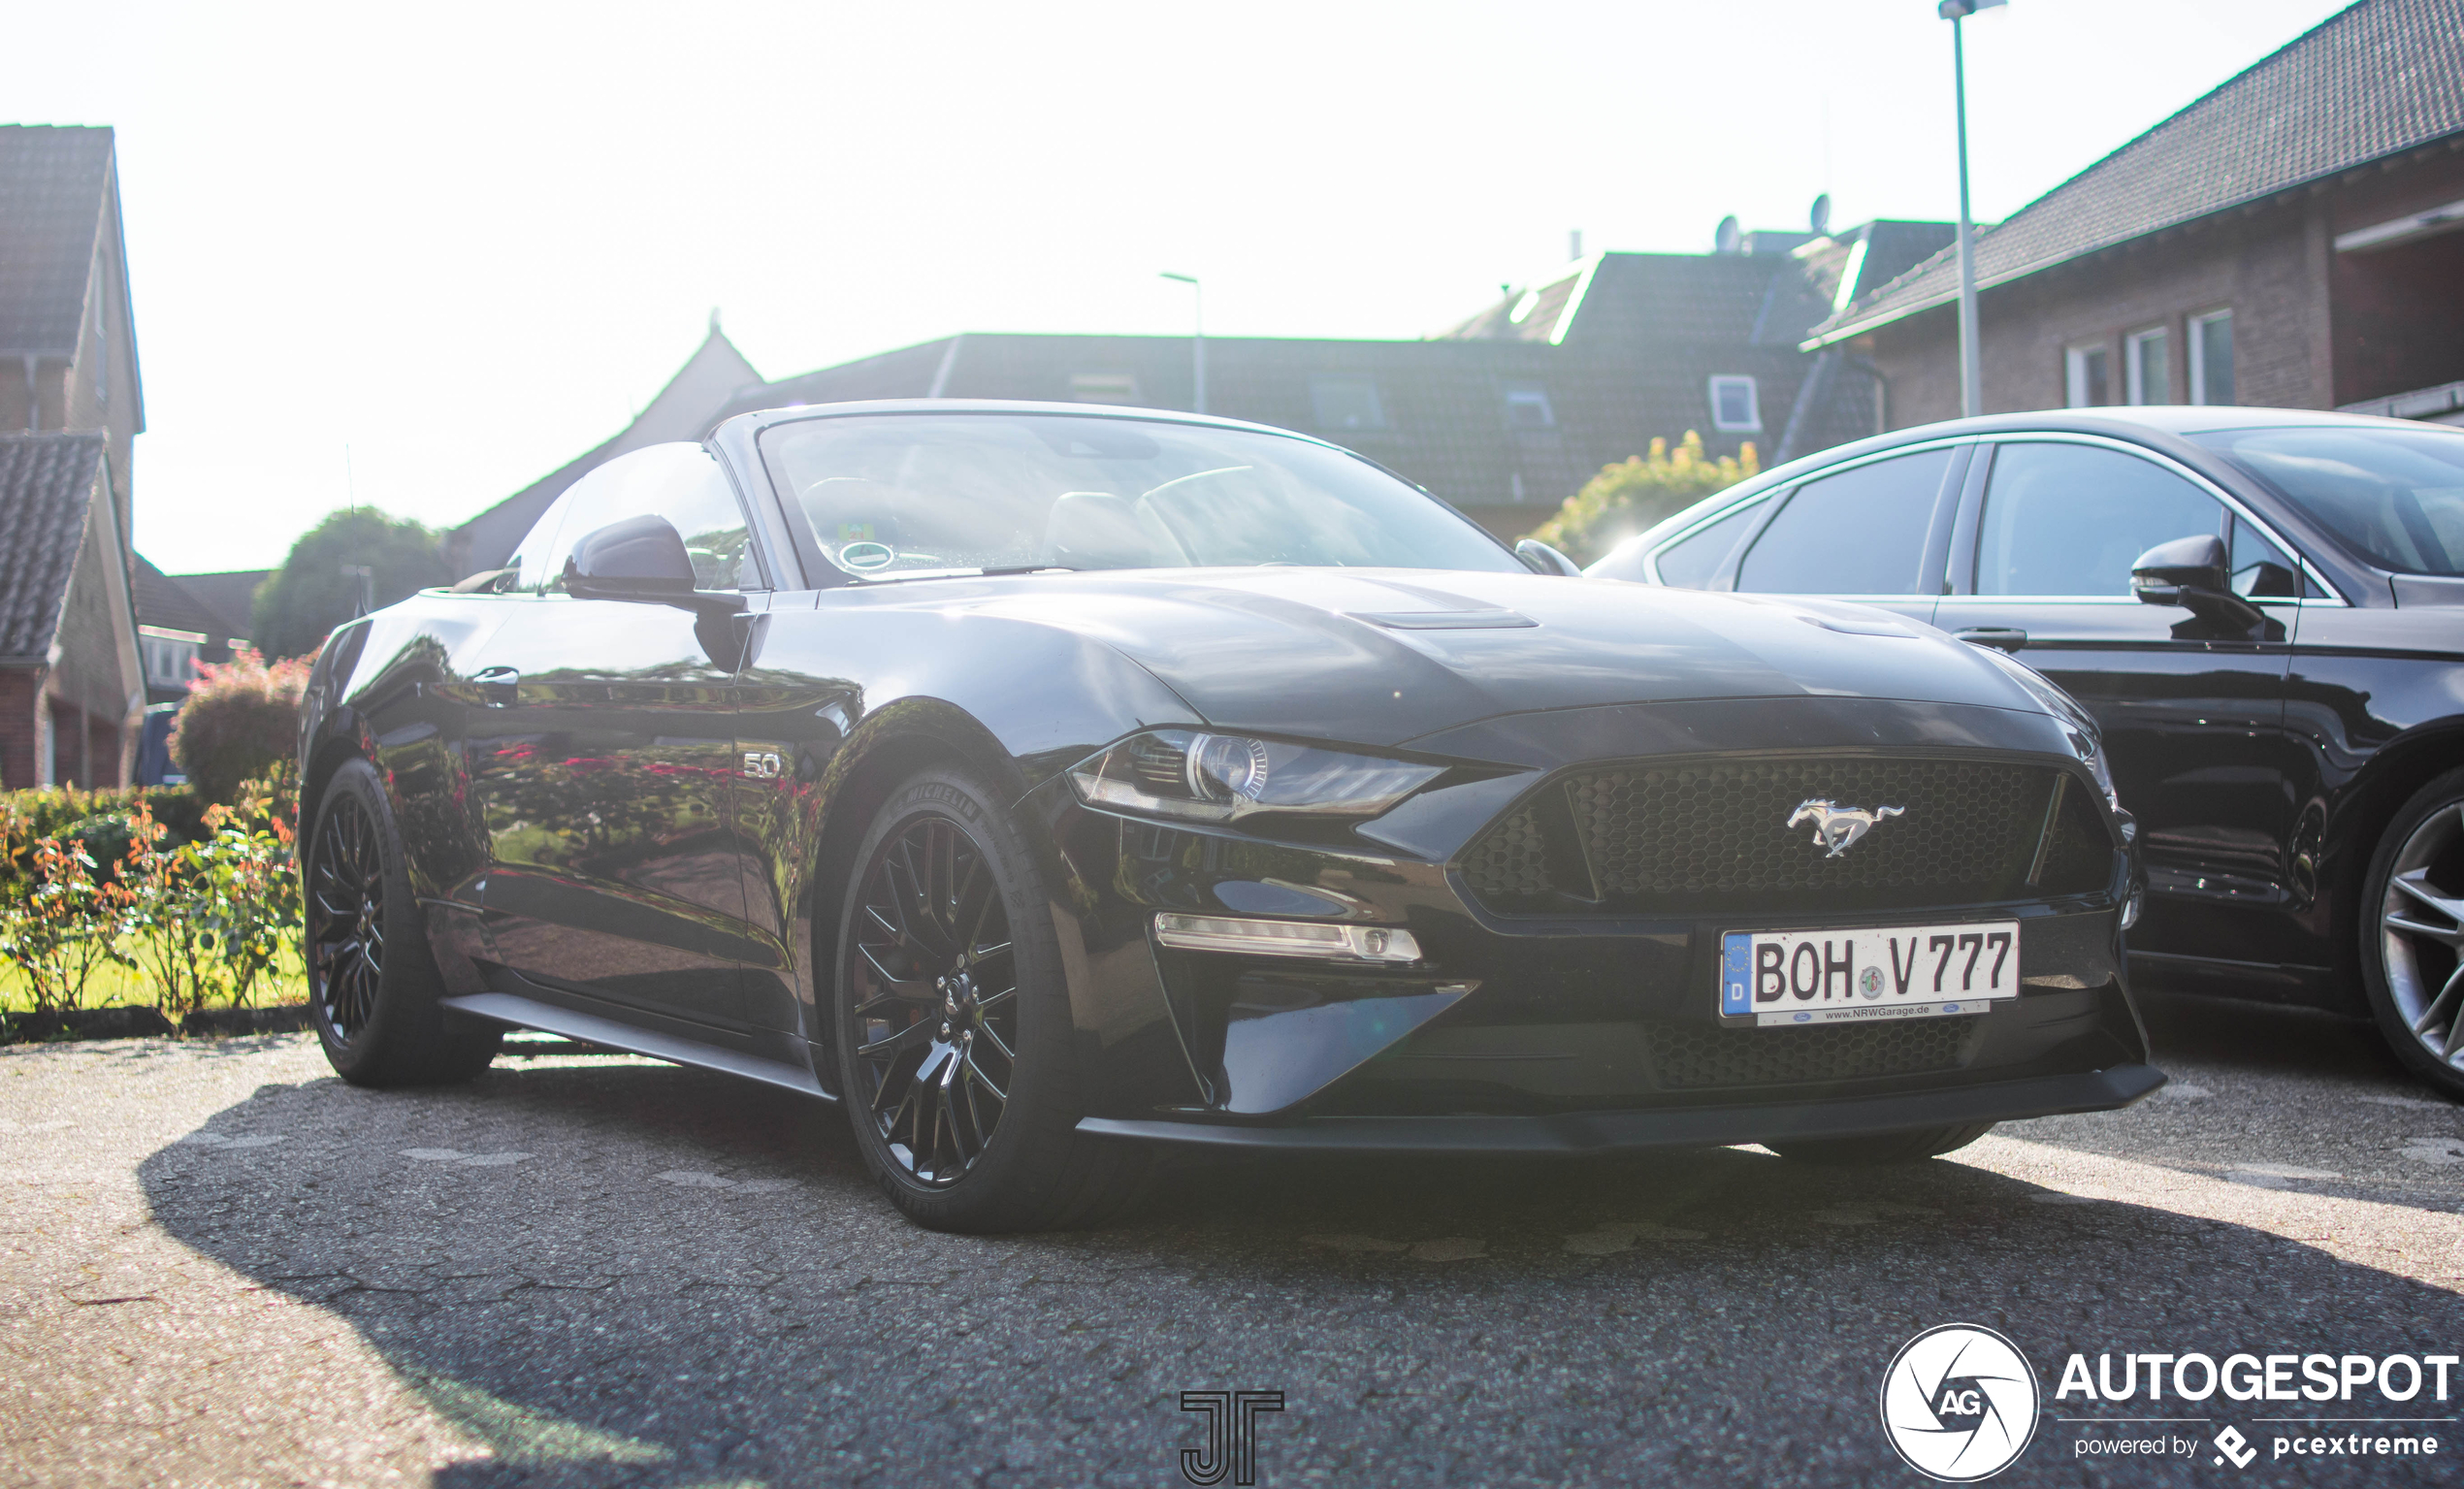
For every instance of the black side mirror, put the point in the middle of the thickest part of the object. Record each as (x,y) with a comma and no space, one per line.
(1542,559)
(640,558)
(2193,573)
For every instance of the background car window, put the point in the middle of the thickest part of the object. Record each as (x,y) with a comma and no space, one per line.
(2396,493)
(2068,519)
(2261,570)
(1859,533)
(680,482)
(1691,561)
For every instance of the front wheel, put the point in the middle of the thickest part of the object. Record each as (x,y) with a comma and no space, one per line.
(953,1023)
(1912,1146)
(2413,935)
(372,982)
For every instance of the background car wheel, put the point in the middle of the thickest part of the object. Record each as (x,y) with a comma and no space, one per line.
(2413,935)
(372,982)
(953,1024)
(1912,1146)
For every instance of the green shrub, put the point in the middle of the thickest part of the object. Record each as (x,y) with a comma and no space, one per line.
(1630,495)
(242,721)
(95,819)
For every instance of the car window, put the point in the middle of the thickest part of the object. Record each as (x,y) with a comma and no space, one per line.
(680,482)
(2261,570)
(918,494)
(1859,533)
(1693,559)
(2395,494)
(2068,519)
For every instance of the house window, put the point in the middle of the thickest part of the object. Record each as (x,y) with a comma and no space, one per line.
(2145,368)
(2212,357)
(1347,403)
(170,656)
(1735,405)
(1527,408)
(2088,374)
(1103,387)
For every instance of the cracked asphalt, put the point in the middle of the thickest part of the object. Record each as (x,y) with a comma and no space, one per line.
(222,1266)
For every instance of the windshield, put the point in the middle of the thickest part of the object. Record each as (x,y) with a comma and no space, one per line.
(2396,495)
(891,496)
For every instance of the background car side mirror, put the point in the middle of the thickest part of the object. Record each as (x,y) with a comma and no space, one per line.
(1542,559)
(2193,572)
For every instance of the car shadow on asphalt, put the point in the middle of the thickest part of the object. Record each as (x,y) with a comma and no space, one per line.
(619,1272)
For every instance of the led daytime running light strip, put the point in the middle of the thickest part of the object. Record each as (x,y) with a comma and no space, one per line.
(1285,938)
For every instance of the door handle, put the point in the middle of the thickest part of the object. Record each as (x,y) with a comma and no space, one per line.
(498,686)
(2005,638)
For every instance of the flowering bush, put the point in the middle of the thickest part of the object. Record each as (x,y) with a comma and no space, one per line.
(1630,495)
(241,721)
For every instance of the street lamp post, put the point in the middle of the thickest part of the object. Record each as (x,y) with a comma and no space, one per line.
(1971,377)
(1197,337)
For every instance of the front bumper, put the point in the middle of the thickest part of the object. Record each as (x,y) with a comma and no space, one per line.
(1592,1132)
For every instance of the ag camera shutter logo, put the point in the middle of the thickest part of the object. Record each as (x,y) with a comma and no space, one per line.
(1958,1403)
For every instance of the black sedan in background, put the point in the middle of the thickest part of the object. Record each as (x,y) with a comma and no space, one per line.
(1049,785)
(2264,609)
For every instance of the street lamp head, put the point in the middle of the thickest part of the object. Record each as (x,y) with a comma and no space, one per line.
(1957,10)
(1182,277)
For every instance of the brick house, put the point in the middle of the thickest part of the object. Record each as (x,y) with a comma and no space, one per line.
(71,678)
(2285,240)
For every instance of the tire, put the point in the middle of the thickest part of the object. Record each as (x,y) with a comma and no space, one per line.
(953,1038)
(2411,930)
(1915,1144)
(373,980)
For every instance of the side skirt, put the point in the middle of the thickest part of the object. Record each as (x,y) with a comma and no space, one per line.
(531,1014)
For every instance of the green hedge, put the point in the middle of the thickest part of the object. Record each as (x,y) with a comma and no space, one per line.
(97,819)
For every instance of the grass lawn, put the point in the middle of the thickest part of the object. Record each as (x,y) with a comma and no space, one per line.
(127,985)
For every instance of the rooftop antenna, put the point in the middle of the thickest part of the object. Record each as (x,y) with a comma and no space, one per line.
(1820,222)
(1574,244)
(714,321)
(1729,236)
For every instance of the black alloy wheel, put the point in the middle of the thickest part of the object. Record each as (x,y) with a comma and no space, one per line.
(346,918)
(935,1006)
(2413,935)
(374,985)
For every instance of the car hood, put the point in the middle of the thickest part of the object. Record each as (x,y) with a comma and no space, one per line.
(1384,656)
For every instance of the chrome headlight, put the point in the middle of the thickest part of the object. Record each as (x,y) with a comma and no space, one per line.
(2087,740)
(1194,775)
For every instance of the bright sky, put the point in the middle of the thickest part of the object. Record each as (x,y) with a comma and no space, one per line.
(466,242)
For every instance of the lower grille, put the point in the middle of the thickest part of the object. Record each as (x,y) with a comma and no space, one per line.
(1693,835)
(1692,1059)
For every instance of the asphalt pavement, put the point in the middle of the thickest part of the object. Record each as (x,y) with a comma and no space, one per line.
(220,1265)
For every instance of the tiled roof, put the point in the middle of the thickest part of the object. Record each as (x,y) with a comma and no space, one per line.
(229,596)
(165,602)
(2371,81)
(46,483)
(52,184)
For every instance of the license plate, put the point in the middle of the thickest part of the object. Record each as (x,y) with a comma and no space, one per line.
(1779,977)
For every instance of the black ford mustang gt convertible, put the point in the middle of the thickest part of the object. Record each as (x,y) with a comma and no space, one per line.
(1050,786)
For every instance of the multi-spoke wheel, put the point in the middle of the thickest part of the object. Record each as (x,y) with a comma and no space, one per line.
(935,984)
(2412,933)
(952,1027)
(372,982)
(346,918)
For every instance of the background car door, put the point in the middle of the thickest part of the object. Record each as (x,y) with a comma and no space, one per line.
(2193,714)
(1874,533)
(602,755)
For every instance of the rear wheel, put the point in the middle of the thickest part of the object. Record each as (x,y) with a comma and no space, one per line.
(1911,1146)
(2413,935)
(954,1024)
(372,982)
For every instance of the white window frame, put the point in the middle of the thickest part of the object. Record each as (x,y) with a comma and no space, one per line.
(2133,375)
(2074,362)
(1753,421)
(2190,332)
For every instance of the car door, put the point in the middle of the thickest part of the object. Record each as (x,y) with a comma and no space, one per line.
(603,758)
(1874,530)
(2192,715)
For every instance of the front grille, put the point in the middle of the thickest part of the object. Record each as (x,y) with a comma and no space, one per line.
(1701,836)
(1706,1059)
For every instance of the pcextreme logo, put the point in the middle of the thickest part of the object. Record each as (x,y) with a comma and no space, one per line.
(1958,1403)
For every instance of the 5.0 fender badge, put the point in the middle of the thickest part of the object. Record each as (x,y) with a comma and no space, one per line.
(1837,827)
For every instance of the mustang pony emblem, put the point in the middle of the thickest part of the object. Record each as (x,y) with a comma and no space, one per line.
(1837,827)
